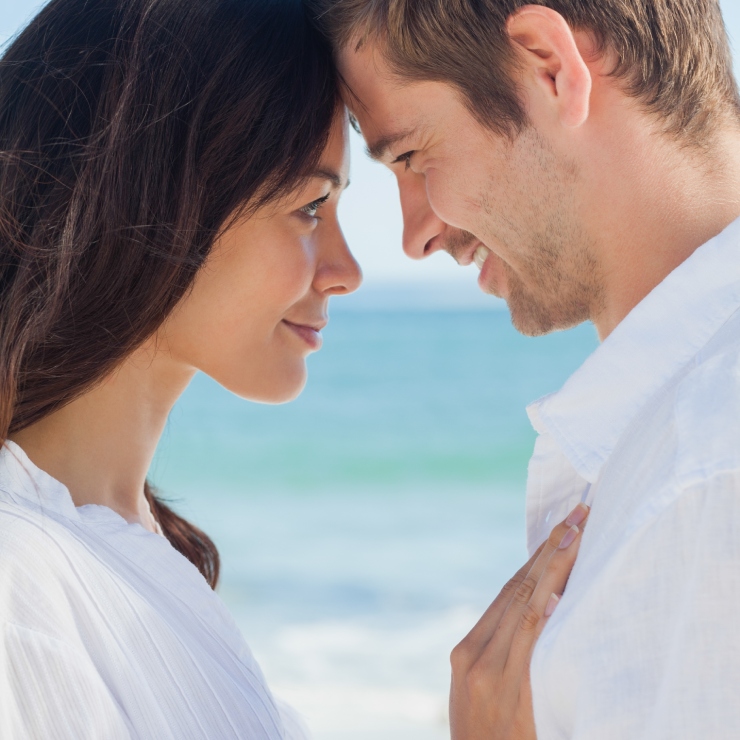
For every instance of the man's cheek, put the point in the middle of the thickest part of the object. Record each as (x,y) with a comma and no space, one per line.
(447,199)
(412,192)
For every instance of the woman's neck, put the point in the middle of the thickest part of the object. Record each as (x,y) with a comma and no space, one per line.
(100,446)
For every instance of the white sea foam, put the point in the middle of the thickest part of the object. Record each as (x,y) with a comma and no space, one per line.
(352,604)
(354,680)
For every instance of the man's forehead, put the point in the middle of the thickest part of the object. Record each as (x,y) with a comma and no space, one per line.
(370,85)
(381,127)
(387,108)
(383,122)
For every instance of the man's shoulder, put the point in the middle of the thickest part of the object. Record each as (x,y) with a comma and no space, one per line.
(706,412)
(686,436)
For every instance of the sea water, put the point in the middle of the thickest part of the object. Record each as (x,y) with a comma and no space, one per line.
(366,526)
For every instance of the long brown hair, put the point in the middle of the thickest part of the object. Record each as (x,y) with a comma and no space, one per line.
(131,133)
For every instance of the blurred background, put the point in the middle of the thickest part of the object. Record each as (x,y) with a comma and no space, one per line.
(365,527)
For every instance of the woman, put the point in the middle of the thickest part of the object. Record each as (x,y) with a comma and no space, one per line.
(169,180)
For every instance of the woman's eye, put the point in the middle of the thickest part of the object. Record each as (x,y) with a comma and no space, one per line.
(311,208)
(405,158)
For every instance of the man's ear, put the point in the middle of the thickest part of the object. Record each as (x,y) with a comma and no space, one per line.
(547,48)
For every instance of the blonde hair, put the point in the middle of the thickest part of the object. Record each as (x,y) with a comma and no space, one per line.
(672,55)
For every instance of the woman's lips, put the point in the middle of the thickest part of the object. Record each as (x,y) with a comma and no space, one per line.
(311,335)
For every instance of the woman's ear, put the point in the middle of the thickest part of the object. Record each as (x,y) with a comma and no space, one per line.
(549,56)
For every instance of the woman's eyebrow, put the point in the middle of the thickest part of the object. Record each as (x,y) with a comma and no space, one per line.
(332,177)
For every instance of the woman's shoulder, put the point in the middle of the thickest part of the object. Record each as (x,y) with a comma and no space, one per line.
(28,537)
(41,588)
(44,547)
(39,568)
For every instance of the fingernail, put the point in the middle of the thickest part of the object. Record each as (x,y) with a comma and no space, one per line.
(551,604)
(570,535)
(577,515)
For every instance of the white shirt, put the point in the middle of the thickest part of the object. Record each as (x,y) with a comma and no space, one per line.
(108,632)
(645,644)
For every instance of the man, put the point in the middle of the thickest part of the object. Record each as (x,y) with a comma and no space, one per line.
(585,154)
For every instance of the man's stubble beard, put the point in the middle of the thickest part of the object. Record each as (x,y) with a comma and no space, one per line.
(557,299)
(556,281)
(457,242)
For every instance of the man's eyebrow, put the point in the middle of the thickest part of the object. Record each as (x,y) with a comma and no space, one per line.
(332,177)
(378,149)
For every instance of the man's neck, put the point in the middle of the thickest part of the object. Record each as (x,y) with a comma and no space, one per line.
(677,199)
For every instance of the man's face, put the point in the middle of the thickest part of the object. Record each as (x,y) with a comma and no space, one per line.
(508,203)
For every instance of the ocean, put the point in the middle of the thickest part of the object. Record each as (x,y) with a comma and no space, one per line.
(366,526)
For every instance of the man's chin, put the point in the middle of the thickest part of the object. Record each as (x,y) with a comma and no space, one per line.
(493,278)
(528,315)
(535,318)
(491,290)
(534,313)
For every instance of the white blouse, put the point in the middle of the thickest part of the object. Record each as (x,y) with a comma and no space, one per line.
(109,632)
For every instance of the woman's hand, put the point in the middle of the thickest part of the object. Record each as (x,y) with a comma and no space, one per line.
(490,698)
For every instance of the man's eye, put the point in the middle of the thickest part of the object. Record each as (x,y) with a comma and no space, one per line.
(313,206)
(405,158)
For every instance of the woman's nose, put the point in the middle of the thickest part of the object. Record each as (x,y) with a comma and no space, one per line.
(339,272)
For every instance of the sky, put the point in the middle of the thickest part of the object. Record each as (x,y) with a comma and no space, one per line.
(369,212)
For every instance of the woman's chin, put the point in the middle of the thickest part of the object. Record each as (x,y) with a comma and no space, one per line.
(287,394)
(277,388)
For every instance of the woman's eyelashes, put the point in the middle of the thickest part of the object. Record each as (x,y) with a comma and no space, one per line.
(311,208)
(405,158)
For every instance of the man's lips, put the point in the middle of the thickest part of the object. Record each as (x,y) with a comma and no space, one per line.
(480,256)
(309,332)
(483,258)
(491,279)
(461,249)
(487,262)
(465,258)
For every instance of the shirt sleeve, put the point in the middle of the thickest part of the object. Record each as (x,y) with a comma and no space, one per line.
(51,691)
(695,569)
(653,647)
(293,723)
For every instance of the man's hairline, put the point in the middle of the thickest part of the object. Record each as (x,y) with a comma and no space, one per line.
(368,35)
(378,149)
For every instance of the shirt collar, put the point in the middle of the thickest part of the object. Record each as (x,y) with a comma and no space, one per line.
(20,478)
(658,337)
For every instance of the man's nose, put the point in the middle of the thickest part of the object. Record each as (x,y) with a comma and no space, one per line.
(421,226)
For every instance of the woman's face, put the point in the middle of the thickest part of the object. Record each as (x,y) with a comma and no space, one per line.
(259,303)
